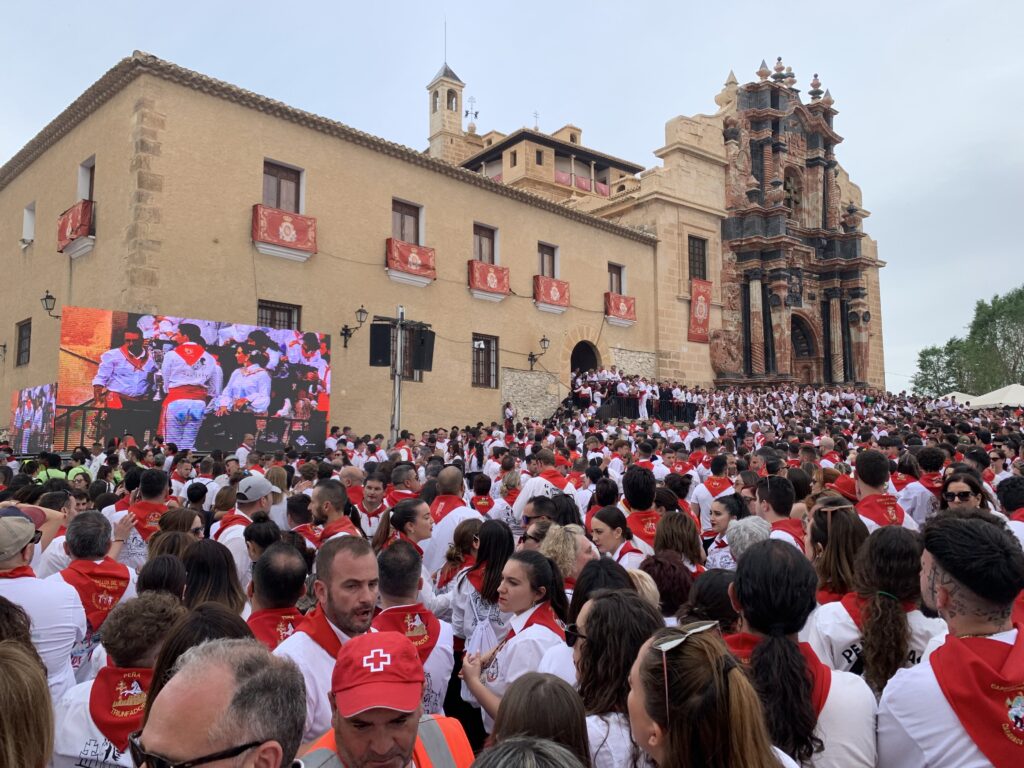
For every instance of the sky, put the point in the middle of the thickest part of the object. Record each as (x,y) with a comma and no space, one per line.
(925,93)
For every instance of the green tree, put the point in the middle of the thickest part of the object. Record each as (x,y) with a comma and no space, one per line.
(933,375)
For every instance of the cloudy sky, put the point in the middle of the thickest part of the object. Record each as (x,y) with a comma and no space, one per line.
(926,93)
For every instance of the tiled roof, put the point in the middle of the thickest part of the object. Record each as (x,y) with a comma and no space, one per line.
(447,71)
(139,63)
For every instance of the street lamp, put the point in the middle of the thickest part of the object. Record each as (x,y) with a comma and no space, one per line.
(348,332)
(532,357)
(49,301)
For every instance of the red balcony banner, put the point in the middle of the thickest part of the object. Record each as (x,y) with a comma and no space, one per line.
(700,311)
(74,223)
(582,183)
(563,177)
(487,277)
(601,189)
(622,307)
(409,258)
(548,290)
(283,228)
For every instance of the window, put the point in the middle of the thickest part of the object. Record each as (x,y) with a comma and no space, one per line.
(24,334)
(513,158)
(28,224)
(408,372)
(483,243)
(616,273)
(435,101)
(548,259)
(485,361)
(405,222)
(281,187)
(274,314)
(87,178)
(698,248)
(573,138)
(540,157)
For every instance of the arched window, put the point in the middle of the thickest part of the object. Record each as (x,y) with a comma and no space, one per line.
(436,101)
(453,100)
(573,138)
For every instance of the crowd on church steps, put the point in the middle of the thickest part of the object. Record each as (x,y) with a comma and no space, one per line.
(747,577)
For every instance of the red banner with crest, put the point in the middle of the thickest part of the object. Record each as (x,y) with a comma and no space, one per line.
(548,290)
(74,223)
(700,311)
(622,307)
(283,228)
(409,258)
(487,277)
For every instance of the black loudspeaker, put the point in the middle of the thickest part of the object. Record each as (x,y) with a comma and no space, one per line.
(422,349)
(380,344)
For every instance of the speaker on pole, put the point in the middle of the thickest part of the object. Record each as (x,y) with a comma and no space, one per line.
(422,349)
(380,344)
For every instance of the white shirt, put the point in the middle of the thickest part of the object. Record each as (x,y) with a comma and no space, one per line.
(436,547)
(134,552)
(630,560)
(251,384)
(558,661)
(53,559)
(917,501)
(437,670)
(77,740)
(118,375)
(918,727)
(539,486)
(468,608)
(58,624)
(234,539)
(703,497)
(846,725)
(611,744)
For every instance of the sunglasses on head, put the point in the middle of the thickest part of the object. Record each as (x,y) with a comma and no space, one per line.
(140,757)
(529,537)
(573,634)
(958,496)
(670,643)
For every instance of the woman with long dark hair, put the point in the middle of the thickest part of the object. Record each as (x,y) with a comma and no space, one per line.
(724,510)
(532,590)
(211,576)
(407,521)
(878,628)
(605,640)
(613,537)
(677,532)
(816,715)
(475,591)
(834,535)
(963,490)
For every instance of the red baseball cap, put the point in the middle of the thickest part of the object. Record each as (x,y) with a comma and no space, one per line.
(377,670)
(846,486)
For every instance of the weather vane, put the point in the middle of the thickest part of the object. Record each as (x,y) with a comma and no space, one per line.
(472,111)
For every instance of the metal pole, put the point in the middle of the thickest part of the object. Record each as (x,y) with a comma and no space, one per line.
(396,406)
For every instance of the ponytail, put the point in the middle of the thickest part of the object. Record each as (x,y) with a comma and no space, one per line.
(614,518)
(543,572)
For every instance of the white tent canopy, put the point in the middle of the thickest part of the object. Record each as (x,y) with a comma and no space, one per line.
(961,397)
(1012,396)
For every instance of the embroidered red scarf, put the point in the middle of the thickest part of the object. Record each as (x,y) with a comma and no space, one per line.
(932,481)
(147,516)
(718,485)
(475,576)
(644,525)
(542,616)
(415,622)
(444,504)
(309,533)
(395,495)
(21,572)
(482,504)
(316,625)
(99,586)
(190,352)
(117,702)
(742,645)
(901,481)
(881,509)
(554,477)
(333,528)
(793,527)
(511,496)
(231,520)
(272,626)
(983,681)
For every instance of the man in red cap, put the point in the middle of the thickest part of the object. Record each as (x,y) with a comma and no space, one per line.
(377,711)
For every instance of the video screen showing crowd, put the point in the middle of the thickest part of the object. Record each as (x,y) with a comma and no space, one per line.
(202,384)
(31,424)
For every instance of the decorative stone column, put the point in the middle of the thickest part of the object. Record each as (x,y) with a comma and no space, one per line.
(782,322)
(859,319)
(835,324)
(756,324)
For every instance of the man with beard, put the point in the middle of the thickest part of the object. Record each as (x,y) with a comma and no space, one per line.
(346,593)
(123,384)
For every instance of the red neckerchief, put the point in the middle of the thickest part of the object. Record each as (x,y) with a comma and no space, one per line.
(190,352)
(854,605)
(448,572)
(316,625)
(988,476)
(482,504)
(983,681)
(475,575)
(626,549)
(742,645)
(718,485)
(395,495)
(825,596)
(901,481)
(135,362)
(99,586)
(355,495)
(147,516)
(444,504)
(646,464)
(554,477)
(881,509)
(117,702)
(376,513)
(230,520)
(680,467)
(932,481)
(402,537)
(415,622)
(21,572)
(123,504)
(272,626)
(570,583)
(1018,515)
(542,616)
(832,456)
(511,496)
(309,533)
(793,527)
(576,478)
(793,463)
(340,525)
(644,525)
(178,477)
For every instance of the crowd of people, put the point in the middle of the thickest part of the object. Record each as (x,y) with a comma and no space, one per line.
(819,577)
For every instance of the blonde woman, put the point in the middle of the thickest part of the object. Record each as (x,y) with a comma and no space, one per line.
(278,477)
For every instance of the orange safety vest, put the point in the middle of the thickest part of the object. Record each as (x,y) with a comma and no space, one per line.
(440,743)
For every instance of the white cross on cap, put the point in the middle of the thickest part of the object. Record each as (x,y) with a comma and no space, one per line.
(376,660)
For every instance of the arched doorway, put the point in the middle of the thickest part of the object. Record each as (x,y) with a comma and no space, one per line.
(805,352)
(584,357)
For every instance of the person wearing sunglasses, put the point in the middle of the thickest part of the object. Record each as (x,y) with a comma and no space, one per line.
(818,716)
(963,490)
(228,700)
(690,704)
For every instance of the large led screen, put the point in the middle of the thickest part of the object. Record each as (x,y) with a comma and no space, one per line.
(31,426)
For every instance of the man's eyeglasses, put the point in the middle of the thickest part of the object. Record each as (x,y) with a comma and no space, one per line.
(573,635)
(142,758)
(950,497)
(37,537)
(671,643)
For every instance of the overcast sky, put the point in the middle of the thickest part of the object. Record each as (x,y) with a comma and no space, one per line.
(926,91)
